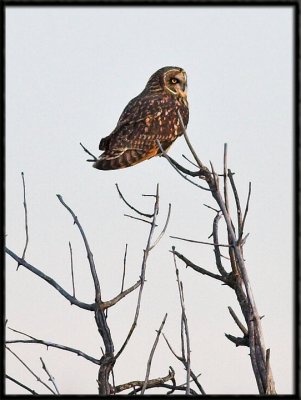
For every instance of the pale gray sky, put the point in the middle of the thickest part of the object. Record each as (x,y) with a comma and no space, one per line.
(70,71)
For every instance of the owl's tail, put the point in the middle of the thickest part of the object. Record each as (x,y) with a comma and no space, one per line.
(113,159)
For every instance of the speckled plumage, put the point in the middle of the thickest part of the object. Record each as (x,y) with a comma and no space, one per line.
(151,116)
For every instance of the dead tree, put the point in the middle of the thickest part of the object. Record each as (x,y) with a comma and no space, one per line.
(237,279)
(99,307)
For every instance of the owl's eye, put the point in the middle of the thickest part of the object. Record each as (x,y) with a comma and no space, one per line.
(174,80)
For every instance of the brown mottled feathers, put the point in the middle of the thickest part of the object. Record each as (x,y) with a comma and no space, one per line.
(151,116)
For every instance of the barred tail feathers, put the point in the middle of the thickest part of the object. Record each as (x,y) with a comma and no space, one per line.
(122,159)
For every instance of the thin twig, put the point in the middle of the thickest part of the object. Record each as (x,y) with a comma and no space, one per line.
(51,378)
(88,152)
(217,252)
(237,201)
(246,211)
(238,341)
(21,384)
(26,218)
(191,162)
(197,268)
(197,241)
(139,219)
(184,323)
(52,282)
(142,275)
(225,177)
(182,360)
(149,362)
(124,267)
(30,370)
(130,206)
(109,303)
(72,273)
(237,321)
(58,346)
(212,208)
(89,253)
(163,230)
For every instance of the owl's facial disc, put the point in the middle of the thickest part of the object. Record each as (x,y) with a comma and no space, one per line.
(176,83)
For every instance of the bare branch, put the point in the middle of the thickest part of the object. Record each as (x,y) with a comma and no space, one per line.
(246,211)
(151,383)
(237,321)
(142,276)
(180,168)
(130,206)
(217,252)
(237,201)
(52,282)
(115,300)
(163,230)
(184,323)
(225,176)
(172,350)
(72,273)
(58,346)
(89,253)
(124,267)
(51,378)
(212,208)
(199,269)
(237,340)
(21,384)
(26,218)
(197,241)
(139,219)
(191,162)
(195,156)
(30,370)
(149,362)
(90,154)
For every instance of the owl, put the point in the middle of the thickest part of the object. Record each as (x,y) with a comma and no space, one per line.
(151,116)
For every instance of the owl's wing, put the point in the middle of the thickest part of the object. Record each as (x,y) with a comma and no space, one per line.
(143,110)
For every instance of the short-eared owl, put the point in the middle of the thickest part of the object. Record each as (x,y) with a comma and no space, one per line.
(152,115)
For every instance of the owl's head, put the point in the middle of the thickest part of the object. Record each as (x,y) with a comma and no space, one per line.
(172,80)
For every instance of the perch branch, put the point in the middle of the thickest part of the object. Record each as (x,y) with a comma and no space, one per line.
(180,169)
(195,156)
